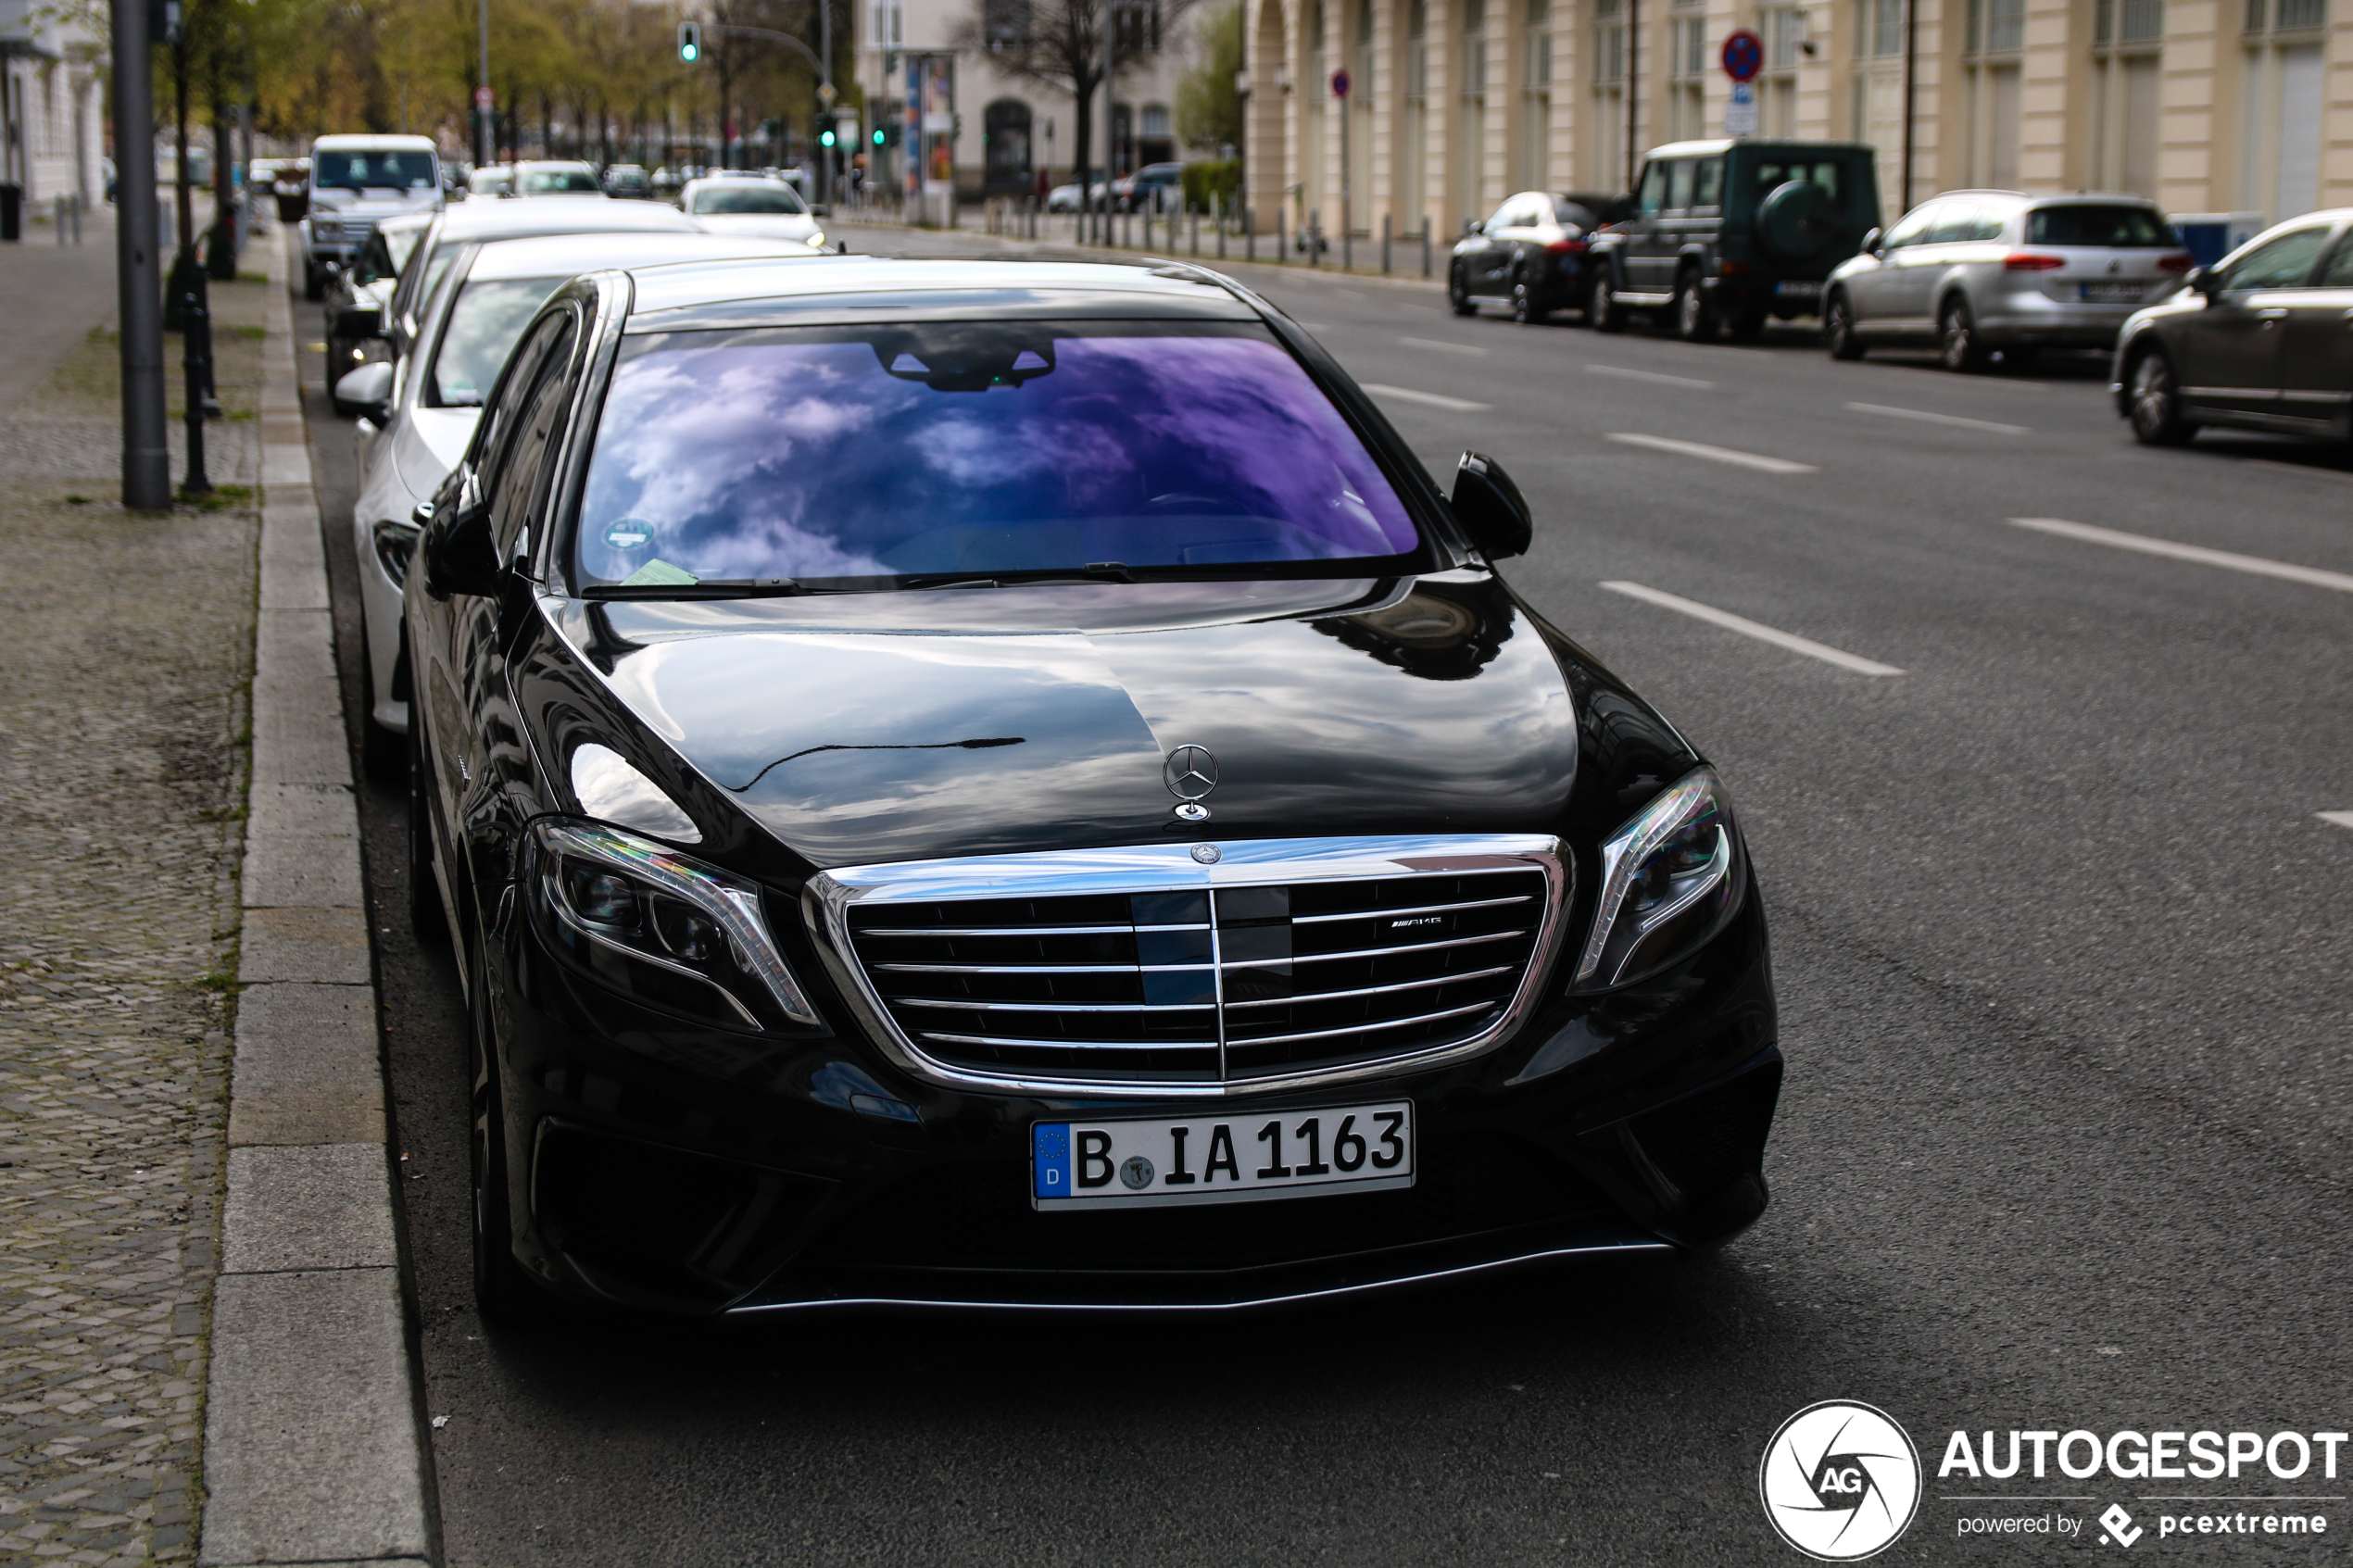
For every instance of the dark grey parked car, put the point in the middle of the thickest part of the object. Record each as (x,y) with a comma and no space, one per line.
(1531,253)
(2262,339)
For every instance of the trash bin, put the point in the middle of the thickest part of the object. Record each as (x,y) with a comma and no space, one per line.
(11,212)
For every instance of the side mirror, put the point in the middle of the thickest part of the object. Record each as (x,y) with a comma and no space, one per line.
(2204,280)
(1491,508)
(1470,227)
(368,389)
(456,547)
(1871,243)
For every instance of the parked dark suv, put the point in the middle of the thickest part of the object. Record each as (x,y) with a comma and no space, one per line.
(1735,232)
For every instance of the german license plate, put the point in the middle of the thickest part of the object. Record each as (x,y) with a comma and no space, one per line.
(1788,289)
(2113,294)
(1227,1158)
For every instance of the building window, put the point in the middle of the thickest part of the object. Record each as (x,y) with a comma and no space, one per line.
(1876,88)
(1536,100)
(889,23)
(1994,34)
(1005,146)
(1414,149)
(1607,108)
(2283,92)
(1783,29)
(1687,76)
(2127,91)
(1472,143)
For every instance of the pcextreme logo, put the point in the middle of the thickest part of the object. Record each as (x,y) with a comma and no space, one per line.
(1840,1481)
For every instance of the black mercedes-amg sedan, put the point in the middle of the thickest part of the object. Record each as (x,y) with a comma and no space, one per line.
(1006,784)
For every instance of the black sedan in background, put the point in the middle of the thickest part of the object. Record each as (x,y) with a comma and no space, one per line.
(1006,784)
(1531,253)
(2262,339)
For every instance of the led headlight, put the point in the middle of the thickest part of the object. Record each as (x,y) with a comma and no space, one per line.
(1671,879)
(649,921)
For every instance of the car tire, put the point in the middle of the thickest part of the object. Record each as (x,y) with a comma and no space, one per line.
(427,920)
(1694,313)
(1838,329)
(1458,293)
(2153,403)
(1526,310)
(1602,307)
(1958,347)
(503,1292)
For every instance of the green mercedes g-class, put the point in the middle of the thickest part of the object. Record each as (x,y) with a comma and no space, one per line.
(1735,232)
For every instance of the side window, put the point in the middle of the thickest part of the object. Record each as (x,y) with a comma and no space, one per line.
(1678,184)
(2282,263)
(1988,224)
(2339,274)
(1916,223)
(1501,221)
(1653,193)
(1708,190)
(503,411)
(515,494)
(1956,221)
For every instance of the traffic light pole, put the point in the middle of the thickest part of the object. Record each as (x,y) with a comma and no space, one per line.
(822,64)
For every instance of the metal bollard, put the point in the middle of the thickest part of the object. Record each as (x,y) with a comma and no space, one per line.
(1384,244)
(61,222)
(1425,244)
(195,340)
(1281,240)
(1315,233)
(1196,234)
(1347,248)
(1221,230)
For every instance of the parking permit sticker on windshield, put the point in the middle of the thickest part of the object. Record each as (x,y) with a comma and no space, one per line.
(629,534)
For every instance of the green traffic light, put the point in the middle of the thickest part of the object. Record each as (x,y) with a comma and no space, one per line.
(688,52)
(878,136)
(825,139)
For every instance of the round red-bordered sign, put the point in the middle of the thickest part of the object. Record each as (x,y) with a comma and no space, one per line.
(1340,84)
(1743,54)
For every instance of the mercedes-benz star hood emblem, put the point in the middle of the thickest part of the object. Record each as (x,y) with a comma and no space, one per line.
(1191,773)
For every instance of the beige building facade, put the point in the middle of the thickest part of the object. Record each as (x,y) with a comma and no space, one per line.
(2208,106)
(52,105)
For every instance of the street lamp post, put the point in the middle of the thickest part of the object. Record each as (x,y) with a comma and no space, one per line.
(147,458)
(483,99)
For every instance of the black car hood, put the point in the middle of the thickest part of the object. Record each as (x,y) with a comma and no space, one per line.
(863,728)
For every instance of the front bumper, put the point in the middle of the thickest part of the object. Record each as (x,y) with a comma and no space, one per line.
(659,1164)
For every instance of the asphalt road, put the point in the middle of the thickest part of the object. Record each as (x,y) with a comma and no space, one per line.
(2062,951)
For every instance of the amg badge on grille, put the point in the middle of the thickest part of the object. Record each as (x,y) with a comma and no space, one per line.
(1191,773)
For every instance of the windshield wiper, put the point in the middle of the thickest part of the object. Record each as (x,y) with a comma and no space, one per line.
(1094,572)
(711,588)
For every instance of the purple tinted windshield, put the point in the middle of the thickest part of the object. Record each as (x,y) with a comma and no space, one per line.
(831,453)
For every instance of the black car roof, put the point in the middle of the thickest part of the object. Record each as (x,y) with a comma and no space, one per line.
(835,290)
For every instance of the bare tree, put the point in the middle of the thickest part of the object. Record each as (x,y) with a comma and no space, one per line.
(1059,44)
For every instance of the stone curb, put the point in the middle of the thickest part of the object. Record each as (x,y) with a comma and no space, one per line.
(312,1453)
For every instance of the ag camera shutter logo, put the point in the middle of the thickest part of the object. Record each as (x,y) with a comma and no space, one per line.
(1840,1481)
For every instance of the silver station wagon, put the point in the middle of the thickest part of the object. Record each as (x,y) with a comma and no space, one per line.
(1977,271)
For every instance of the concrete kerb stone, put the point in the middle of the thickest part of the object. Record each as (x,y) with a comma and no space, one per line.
(313,1451)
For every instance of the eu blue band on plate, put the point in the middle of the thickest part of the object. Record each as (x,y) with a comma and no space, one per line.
(1049,1162)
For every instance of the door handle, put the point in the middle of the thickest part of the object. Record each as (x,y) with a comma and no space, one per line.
(2268,317)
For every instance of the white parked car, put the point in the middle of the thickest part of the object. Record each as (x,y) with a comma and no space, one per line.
(419,412)
(355,183)
(754,204)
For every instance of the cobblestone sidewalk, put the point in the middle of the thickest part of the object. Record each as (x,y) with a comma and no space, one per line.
(125,646)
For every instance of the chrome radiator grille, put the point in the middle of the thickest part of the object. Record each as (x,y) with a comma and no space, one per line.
(1240,981)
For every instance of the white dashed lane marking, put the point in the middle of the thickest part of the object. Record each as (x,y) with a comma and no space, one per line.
(1714,454)
(1442,347)
(1430,399)
(1748,628)
(1924,416)
(1658,378)
(2254,566)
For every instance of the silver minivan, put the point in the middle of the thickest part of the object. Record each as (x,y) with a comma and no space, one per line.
(1974,271)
